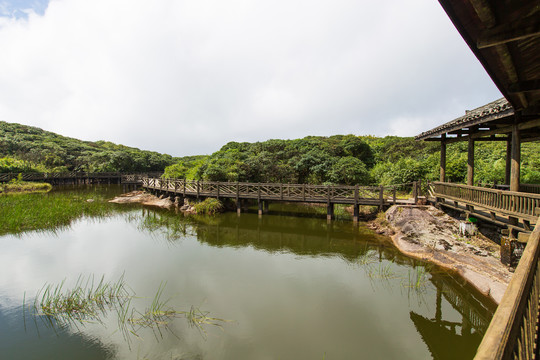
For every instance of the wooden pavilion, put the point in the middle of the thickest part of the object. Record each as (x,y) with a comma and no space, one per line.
(505,37)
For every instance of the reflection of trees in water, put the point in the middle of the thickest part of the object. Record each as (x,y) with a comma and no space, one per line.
(453,339)
(357,245)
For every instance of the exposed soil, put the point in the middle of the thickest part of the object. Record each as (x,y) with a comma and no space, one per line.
(141,197)
(427,233)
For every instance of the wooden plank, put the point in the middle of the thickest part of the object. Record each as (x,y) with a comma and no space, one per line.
(504,329)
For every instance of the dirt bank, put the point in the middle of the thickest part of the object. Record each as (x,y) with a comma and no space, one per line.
(140,197)
(427,233)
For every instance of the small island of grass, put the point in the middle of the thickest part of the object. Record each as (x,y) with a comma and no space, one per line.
(23,187)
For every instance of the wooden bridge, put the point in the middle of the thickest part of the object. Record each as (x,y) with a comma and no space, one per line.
(77,177)
(381,196)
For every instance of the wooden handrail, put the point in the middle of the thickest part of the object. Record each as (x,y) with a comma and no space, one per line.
(511,203)
(345,194)
(513,331)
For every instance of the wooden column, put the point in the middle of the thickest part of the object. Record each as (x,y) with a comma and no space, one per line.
(442,177)
(470,162)
(516,158)
(508,161)
(330,211)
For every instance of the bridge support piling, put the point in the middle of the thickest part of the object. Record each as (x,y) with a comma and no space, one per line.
(330,212)
(260,208)
(238,207)
(356,213)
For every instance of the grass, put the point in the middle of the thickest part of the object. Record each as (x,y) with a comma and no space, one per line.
(50,211)
(89,301)
(22,187)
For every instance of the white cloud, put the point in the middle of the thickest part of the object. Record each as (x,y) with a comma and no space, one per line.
(185,77)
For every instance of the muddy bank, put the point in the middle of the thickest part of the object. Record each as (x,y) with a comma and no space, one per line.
(140,197)
(427,233)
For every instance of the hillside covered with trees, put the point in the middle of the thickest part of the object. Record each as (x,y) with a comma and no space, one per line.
(339,159)
(350,159)
(30,149)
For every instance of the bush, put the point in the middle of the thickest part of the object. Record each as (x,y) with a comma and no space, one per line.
(209,206)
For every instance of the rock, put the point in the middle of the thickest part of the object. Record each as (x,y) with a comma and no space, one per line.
(90,200)
(426,233)
(141,197)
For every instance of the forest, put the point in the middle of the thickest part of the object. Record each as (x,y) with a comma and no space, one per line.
(350,159)
(30,149)
(338,159)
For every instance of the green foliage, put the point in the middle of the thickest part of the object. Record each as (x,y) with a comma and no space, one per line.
(30,149)
(209,206)
(313,159)
(349,170)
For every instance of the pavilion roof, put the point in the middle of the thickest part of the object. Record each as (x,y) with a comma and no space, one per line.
(498,110)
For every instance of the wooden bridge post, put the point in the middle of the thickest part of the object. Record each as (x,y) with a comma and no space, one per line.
(330,211)
(175,186)
(381,198)
(198,190)
(238,203)
(259,202)
(184,191)
(356,209)
(304,192)
(415,192)
(217,190)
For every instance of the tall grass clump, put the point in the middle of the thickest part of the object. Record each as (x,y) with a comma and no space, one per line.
(209,206)
(90,301)
(17,186)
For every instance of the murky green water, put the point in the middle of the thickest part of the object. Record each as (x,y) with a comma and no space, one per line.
(292,288)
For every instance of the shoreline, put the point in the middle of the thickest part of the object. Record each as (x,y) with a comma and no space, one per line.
(428,234)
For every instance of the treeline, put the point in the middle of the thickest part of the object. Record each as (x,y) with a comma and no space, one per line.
(349,159)
(339,159)
(30,149)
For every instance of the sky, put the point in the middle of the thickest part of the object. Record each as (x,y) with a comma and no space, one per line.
(185,77)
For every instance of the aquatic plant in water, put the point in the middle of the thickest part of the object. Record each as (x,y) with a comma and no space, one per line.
(89,301)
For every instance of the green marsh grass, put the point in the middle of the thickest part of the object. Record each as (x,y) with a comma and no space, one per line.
(22,187)
(53,210)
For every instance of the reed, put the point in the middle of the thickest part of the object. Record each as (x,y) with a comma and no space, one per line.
(89,301)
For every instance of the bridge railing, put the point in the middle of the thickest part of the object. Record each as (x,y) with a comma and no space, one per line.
(513,331)
(510,203)
(346,194)
(6,177)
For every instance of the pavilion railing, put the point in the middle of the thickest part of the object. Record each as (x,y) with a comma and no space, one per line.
(513,331)
(516,204)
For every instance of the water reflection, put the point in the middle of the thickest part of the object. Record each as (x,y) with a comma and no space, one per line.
(296,287)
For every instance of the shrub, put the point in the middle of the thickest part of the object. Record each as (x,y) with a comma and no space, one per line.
(209,206)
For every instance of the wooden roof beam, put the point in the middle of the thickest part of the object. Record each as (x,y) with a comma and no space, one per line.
(505,33)
(524,86)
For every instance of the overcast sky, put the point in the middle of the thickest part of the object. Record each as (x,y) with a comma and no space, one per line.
(185,77)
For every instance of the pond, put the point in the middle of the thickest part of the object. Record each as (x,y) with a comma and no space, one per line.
(270,287)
